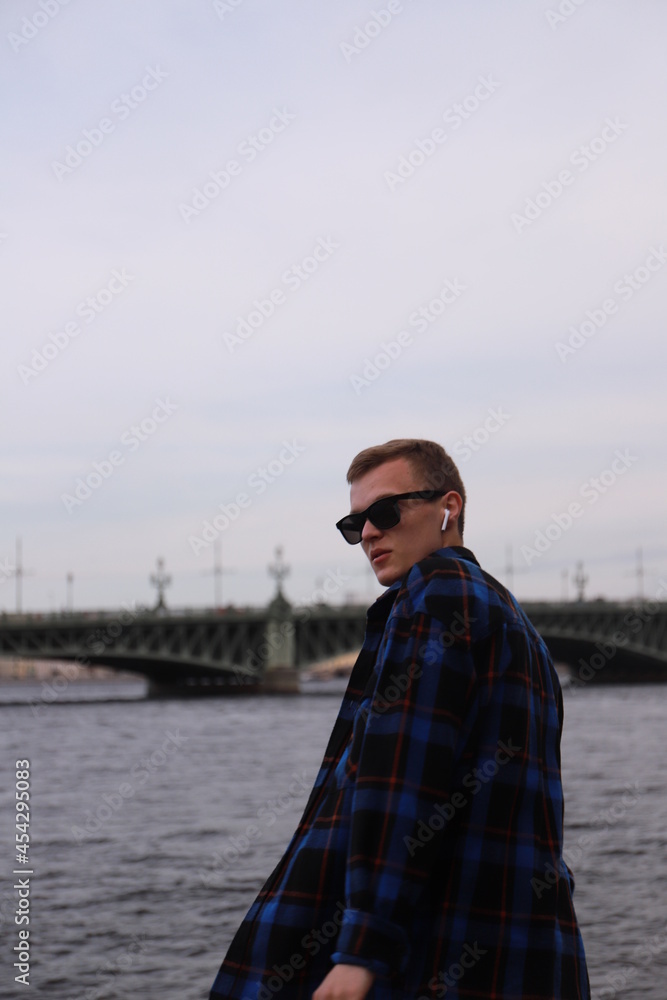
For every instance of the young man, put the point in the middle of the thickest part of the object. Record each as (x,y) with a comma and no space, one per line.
(428,861)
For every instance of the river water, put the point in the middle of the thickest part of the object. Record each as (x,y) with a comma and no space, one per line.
(142,863)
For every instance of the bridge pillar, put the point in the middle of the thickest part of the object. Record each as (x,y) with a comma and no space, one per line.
(281,675)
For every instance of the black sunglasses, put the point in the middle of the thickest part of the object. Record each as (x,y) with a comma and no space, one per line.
(384,513)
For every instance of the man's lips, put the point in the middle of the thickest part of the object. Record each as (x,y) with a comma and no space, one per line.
(378,554)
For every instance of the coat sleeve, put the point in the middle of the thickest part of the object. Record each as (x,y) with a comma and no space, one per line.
(401,760)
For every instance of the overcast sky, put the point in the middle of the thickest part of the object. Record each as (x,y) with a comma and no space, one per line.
(243,240)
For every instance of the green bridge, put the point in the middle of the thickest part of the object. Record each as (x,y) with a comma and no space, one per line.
(227,651)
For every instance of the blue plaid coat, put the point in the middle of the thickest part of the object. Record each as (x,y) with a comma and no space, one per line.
(430,848)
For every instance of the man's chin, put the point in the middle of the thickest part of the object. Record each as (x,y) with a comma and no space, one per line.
(386,575)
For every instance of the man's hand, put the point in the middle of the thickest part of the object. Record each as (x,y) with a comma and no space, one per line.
(345,982)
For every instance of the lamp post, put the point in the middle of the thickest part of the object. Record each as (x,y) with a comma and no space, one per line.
(160,580)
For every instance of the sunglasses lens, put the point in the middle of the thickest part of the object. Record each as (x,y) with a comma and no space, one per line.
(384,514)
(350,529)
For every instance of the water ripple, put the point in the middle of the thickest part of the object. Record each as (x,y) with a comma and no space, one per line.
(144,866)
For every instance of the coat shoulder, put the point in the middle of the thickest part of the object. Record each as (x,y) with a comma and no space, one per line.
(450,588)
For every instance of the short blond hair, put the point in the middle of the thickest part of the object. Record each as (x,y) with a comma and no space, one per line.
(427,458)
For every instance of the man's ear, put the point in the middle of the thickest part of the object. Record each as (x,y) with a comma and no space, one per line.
(452,502)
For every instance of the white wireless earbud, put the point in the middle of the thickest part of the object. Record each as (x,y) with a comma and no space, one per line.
(444,523)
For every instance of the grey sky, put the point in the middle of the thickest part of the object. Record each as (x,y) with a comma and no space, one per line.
(156,97)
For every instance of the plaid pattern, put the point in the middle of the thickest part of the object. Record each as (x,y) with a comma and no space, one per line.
(430,848)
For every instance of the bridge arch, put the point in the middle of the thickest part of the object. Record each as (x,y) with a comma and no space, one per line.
(604,641)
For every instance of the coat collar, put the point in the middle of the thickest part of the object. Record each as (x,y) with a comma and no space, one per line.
(383,605)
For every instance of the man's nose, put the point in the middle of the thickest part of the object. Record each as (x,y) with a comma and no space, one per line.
(369,531)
